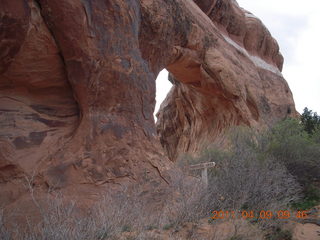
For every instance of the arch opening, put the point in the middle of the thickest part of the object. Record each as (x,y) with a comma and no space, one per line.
(163,86)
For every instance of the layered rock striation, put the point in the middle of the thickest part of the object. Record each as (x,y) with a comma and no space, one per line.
(77,89)
(227,74)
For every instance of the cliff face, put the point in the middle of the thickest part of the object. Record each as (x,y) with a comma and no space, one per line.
(77,89)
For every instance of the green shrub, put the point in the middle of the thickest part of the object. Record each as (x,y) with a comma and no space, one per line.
(126,228)
(254,179)
(279,234)
(237,237)
(290,144)
(150,227)
(316,135)
(311,199)
(247,177)
(168,226)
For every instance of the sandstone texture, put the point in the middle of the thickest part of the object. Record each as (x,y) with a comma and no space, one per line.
(232,79)
(77,90)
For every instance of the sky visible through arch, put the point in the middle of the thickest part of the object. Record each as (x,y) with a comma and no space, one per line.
(296,26)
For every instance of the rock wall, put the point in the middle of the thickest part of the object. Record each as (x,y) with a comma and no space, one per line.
(77,89)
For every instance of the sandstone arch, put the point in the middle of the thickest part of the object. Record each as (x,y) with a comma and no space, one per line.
(78,78)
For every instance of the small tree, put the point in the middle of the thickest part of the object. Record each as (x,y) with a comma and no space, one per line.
(291,144)
(310,121)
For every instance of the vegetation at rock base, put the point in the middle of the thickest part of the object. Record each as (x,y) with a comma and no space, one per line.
(296,144)
(272,170)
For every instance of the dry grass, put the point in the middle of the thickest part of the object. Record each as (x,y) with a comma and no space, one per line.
(247,178)
(4,232)
(244,179)
(125,216)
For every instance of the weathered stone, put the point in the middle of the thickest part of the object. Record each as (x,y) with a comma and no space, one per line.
(77,89)
(228,73)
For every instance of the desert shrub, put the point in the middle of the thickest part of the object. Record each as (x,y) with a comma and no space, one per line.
(59,218)
(4,232)
(316,135)
(279,234)
(247,177)
(311,198)
(111,218)
(291,145)
(237,237)
(251,179)
(125,213)
(190,203)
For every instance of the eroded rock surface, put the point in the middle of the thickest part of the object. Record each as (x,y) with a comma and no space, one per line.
(232,79)
(77,89)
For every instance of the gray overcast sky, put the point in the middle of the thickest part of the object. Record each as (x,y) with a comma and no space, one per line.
(295,24)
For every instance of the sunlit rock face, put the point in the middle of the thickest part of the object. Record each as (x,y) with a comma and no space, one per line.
(77,90)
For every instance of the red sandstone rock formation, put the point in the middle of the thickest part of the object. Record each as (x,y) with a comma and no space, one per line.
(232,79)
(77,89)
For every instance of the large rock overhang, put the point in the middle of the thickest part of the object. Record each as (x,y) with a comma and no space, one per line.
(77,89)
